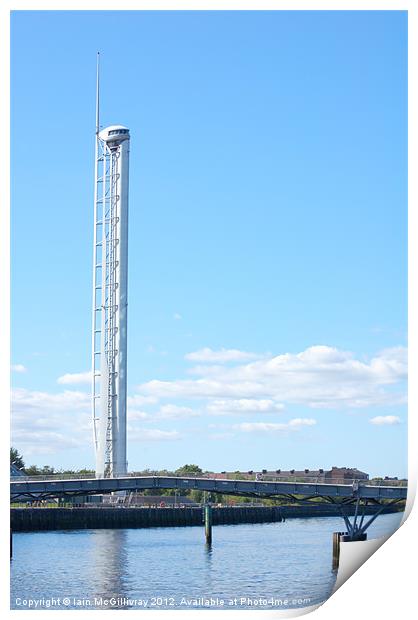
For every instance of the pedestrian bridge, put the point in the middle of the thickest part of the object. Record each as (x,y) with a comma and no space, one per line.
(38,488)
(341,495)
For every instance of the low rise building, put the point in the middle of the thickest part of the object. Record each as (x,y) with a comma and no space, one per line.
(335,474)
(345,473)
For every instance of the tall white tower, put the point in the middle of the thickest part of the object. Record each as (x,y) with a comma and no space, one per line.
(110,288)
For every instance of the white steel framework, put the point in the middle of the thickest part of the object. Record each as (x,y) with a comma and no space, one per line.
(109,324)
(109,327)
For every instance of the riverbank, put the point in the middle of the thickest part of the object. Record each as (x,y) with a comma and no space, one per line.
(41,519)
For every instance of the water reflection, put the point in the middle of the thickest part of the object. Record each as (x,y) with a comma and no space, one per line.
(110,564)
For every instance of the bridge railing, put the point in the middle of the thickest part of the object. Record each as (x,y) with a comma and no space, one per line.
(24,478)
(250,477)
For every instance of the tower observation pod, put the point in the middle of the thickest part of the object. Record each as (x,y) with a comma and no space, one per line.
(110,288)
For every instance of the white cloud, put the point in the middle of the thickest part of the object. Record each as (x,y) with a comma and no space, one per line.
(152,434)
(385,420)
(319,377)
(47,442)
(223,355)
(267,427)
(203,388)
(50,423)
(137,400)
(174,411)
(136,414)
(302,422)
(44,423)
(25,401)
(18,368)
(177,316)
(243,405)
(166,412)
(75,378)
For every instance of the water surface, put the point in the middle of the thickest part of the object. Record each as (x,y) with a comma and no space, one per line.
(262,566)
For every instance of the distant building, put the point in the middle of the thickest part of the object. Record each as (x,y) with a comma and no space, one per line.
(316,475)
(345,473)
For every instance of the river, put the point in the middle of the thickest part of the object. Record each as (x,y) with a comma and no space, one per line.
(249,566)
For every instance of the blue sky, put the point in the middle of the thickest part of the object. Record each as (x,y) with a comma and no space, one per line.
(268,235)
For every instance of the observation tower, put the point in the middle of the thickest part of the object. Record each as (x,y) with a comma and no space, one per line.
(110,297)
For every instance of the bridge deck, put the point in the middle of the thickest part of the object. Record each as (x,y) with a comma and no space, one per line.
(95,486)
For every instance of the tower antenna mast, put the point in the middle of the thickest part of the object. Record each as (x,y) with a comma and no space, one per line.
(110,294)
(97,93)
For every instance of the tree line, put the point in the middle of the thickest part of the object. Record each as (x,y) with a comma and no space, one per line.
(189,469)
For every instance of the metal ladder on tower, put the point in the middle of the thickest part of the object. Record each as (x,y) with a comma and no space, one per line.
(111,308)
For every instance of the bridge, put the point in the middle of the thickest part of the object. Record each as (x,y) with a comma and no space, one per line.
(340,495)
(41,488)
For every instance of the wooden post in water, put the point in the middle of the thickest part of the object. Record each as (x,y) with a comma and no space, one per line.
(336,538)
(208,524)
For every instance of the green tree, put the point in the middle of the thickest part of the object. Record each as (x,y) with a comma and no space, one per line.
(189,470)
(34,470)
(74,472)
(16,459)
(196,495)
(47,470)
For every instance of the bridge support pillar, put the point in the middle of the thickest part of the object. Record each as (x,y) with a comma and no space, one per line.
(356,529)
(208,524)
